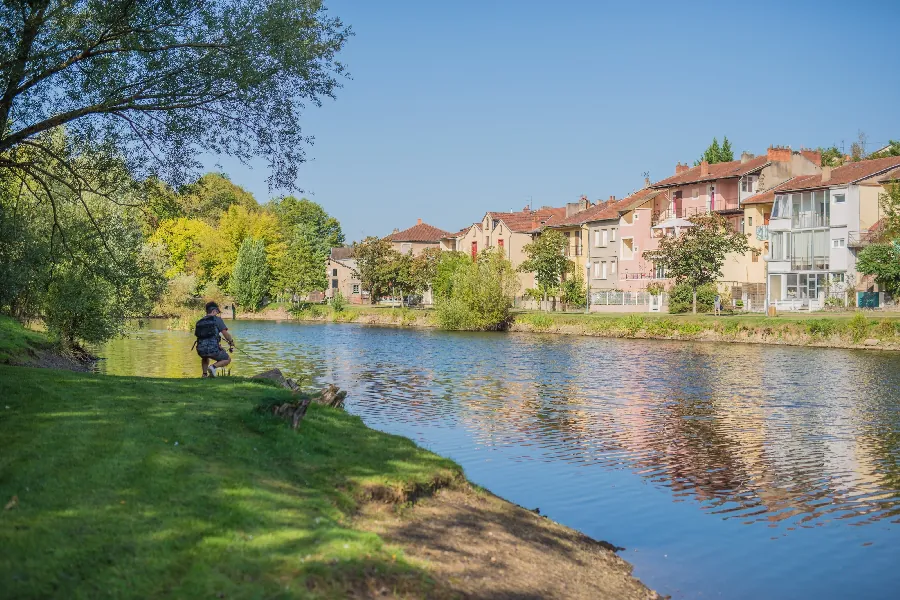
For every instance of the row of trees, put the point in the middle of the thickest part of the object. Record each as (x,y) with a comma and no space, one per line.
(106,110)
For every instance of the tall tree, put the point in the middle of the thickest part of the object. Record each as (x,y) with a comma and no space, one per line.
(376,260)
(149,86)
(697,254)
(211,196)
(546,260)
(322,230)
(883,261)
(250,277)
(715,153)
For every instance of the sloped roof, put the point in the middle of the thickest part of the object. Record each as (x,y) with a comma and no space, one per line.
(585,215)
(526,221)
(342,253)
(768,196)
(891,176)
(462,231)
(422,232)
(734,168)
(849,173)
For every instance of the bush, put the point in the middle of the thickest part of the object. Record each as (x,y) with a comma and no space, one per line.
(859,327)
(250,276)
(681,299)
(79,306)
(481,295)
(338,302)
(661,327)
(633,324)
(822,327)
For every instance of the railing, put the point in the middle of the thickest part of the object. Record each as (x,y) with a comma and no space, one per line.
(658,216)
(861,239)
(809,220)
(572,250)
(809,263)
(612,298)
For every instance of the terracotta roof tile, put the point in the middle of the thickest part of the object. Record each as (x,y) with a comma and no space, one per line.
(891,176)
(585,215)
(526,221)
(768,196)
(734,168)
(423,232)
(849,173)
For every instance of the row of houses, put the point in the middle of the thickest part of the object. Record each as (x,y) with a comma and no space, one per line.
(807,221)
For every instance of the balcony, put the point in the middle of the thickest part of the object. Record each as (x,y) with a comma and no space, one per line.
(861,239)
(809,220)
(762,233)
(659,216)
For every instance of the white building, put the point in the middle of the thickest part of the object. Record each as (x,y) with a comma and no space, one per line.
(814,223)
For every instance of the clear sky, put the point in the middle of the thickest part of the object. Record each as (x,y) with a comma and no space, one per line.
(456,108)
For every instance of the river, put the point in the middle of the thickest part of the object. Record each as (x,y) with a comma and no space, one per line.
(725,470)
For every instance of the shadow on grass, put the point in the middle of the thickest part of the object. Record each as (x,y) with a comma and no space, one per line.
(131,487)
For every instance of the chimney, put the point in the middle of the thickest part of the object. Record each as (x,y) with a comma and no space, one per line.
(826,174)
(814,156)
(745,156)
(704,168)
(680,168)
(612,198)
(779,153)
(396,230)
(526,209)
(418,221)
(646,182)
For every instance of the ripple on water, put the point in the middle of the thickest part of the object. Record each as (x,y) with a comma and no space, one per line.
(744,471)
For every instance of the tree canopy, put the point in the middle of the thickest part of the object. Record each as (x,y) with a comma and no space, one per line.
(250,277)
(697,254)
(716,153)
(883,261)
(546,260)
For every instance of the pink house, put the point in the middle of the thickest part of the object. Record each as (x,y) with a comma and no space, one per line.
(636,236)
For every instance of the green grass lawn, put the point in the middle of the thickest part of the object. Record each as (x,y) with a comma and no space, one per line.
(146,488)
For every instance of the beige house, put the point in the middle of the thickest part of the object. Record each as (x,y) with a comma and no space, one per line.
(417,238)
(342,276)
(510,231)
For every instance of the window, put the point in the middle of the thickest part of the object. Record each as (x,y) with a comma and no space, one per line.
(745,184)
(405,248)
(628,248)
(603,271)
(612,267)
(334,284)
(355,288)
(659,272)
(605,237)
(597,269)
(596,238)
(500,242)
(495,223)
(474,250)
(696,193)
(749,221)
(487,242)
(839,198)
(334,272)
(612,234)
(838,243)
(754,257)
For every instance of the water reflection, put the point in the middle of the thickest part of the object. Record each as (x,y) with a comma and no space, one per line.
(784,440)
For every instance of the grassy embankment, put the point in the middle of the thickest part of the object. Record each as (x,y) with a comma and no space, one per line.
(817,329)
(132,487)
(127,487)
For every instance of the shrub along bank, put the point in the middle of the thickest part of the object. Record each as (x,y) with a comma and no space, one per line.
(845,331)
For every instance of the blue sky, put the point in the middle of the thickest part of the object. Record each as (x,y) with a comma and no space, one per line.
(455,108)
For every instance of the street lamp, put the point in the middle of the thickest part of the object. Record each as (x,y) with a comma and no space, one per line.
(587,286)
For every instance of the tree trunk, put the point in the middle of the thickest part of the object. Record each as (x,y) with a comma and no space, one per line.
(695,301)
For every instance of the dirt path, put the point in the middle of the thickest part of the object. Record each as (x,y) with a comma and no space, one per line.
(478,546)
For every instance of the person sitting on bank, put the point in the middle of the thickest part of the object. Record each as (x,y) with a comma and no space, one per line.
(207,331)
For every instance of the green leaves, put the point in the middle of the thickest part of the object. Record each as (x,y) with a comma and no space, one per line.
(697,254)
(715,153)
(882,261)
(250,277)
(546,260)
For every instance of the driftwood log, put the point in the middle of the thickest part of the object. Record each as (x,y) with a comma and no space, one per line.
(293,412)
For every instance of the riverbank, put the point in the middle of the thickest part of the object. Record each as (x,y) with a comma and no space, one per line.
(825,330)
(26,348)
(162,487)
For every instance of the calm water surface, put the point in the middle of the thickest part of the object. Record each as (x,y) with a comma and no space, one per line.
(727,471)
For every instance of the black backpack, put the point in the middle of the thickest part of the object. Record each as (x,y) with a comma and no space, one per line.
(206,328)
